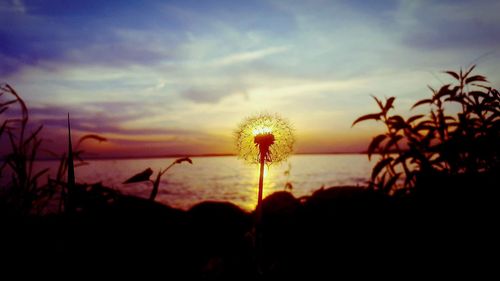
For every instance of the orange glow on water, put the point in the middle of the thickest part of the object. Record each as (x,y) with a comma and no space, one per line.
(270,184)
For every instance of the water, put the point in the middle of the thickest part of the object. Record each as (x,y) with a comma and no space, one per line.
(225,178)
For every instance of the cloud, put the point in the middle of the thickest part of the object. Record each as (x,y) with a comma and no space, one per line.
(102,118)
(213,94)
(94,125)
(248,56)
(87,33)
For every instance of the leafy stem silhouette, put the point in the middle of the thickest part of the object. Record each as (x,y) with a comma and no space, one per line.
(146,174)
(464,143)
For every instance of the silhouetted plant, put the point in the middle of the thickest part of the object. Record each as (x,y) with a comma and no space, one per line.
(66,167)
(27,193)
(438,143)
(146,174)
(24,191)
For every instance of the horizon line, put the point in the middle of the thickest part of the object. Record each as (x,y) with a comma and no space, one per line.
(178,155)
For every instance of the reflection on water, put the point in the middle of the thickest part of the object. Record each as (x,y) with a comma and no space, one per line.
(225,178)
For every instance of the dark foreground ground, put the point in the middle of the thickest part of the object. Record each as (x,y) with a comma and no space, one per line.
(438,232)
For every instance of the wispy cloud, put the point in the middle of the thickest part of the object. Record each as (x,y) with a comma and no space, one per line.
(248,56)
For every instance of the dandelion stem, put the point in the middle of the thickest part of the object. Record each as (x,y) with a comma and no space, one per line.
(261,184)
(258,224)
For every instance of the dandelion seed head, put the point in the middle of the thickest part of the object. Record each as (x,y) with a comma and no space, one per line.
(271,129)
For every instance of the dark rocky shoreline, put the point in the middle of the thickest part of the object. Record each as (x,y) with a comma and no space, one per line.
(339,230)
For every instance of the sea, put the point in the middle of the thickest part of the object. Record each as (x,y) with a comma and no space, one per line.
(224,178)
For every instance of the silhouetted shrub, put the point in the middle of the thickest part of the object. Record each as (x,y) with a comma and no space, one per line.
(466,142)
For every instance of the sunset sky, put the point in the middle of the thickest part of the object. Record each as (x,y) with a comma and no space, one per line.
(177,77)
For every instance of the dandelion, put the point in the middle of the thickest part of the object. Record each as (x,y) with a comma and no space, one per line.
(264,139)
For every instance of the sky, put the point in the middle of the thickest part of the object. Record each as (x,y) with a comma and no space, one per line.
(177,77)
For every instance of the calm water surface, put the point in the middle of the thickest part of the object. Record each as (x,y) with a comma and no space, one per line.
(225,178)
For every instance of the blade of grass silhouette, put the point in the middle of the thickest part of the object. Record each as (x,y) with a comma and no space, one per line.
(24,111)
(71,172)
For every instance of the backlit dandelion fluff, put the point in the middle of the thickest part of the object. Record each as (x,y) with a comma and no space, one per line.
(254,129)
(264,139)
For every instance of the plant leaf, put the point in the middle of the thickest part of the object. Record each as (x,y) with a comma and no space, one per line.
(3,127)
(479,94)
(443,91)
(382,180)
(468,71)
(392,142)
(475,78)
(402,158)
(91,136)
(454,74)
(495,93)
(142,176)
(33,135)
(397,122)
(380,165)
(374,144)
(7,103)
(156,186)
(378,102)
(389,103)
(413,118)
(24,108)
(375,116)
(184,159)
(420,102)
(391,182)
(482,86)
